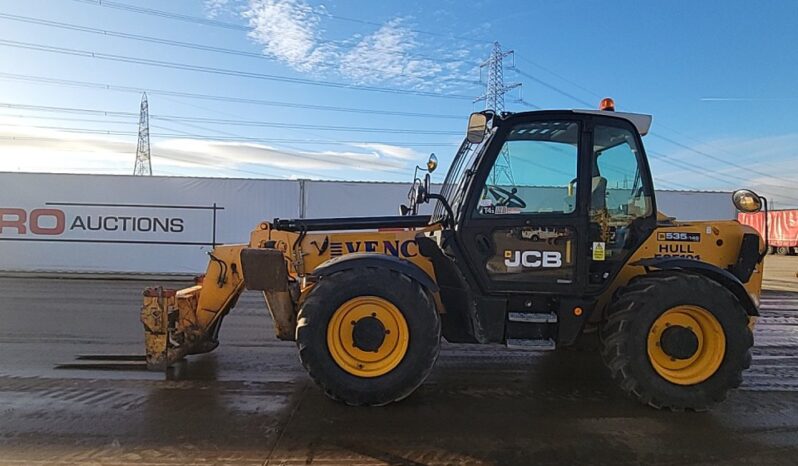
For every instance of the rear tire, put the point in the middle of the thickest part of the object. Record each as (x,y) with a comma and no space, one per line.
(627,349)
(337,291)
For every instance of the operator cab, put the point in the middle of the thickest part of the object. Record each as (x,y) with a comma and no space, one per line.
(543,207)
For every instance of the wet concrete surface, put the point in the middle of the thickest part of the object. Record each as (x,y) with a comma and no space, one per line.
(250,402)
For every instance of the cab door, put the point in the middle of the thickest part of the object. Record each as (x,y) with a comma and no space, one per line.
(525,228)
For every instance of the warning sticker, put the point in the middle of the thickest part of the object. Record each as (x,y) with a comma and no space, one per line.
(598,251)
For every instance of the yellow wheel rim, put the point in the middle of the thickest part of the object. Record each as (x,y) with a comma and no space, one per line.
(709,344)
(371,358)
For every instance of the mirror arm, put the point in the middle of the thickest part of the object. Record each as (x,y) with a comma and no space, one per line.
(446,206)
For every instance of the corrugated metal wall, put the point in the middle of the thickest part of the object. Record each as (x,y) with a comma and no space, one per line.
(125,224)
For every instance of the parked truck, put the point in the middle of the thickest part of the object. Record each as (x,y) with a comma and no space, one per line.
(782,234)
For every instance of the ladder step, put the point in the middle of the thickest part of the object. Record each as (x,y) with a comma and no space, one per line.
(532,345)
(533,317)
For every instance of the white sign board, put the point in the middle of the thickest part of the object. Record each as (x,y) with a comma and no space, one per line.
(124,224)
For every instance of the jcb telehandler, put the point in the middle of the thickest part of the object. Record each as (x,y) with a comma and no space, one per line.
(368,299)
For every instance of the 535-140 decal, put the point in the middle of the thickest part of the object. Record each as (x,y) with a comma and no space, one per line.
(679,236)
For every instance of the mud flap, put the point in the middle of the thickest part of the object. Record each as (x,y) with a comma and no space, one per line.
(265,270)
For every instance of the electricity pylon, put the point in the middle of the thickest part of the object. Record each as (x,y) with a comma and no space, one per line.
(143,161)
(494,100)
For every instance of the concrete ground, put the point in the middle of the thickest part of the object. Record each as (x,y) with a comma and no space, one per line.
(781,273)
(250,402)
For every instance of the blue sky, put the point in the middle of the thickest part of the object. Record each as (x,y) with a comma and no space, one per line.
(680,61)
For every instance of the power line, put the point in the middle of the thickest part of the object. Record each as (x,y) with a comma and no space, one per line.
(300,152)
(189,95)
(710,156)
(551,86)
(559,76)
(293,148)
(721,160)
(221,71)
(240,27)
(206,137)
(294,170)
(221,121)
(528,104)
(64,118)
(693,167)
(174,43)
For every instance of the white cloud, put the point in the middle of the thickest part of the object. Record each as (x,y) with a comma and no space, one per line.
(202,152)
(288,30)
(28,148)
(214,8)
(385,56)
(387,150)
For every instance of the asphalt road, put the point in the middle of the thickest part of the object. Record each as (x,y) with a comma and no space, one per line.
(250,402)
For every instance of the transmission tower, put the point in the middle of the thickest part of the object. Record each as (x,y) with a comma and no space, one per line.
(143,162)
(494,100)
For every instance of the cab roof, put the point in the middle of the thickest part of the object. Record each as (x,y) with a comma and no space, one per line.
(641,121)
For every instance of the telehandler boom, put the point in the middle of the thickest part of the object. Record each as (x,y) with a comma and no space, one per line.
(545,229)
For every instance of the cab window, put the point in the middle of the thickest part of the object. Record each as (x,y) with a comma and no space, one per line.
(620,198)
(617,187)
(535,172)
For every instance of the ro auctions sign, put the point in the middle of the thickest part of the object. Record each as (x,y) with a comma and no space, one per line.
(111,223)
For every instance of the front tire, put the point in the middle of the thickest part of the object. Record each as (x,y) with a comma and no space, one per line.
(676,340)
(368,336)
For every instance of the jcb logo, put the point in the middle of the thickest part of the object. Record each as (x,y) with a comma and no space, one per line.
(533,259)
(38,222)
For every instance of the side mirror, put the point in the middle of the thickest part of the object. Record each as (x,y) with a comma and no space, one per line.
(477,125)
(432,163)
(747,201)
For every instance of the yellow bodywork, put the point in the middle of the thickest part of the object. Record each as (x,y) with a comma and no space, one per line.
(719,245)
(191,315)
(195,311)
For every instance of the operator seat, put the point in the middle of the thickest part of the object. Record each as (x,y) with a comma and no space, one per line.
(598,193)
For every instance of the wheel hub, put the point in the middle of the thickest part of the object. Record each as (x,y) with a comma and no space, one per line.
(368,334)
(686,345)
(679,342)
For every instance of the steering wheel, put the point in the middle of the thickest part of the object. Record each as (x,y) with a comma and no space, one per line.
(506,198)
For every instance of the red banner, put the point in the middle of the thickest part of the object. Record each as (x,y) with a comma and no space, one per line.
(782,228)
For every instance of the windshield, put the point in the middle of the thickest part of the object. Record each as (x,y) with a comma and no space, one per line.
(454,185)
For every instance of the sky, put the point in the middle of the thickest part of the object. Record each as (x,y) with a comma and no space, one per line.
(365,90)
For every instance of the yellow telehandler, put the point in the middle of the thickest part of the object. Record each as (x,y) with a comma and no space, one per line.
(367,300)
